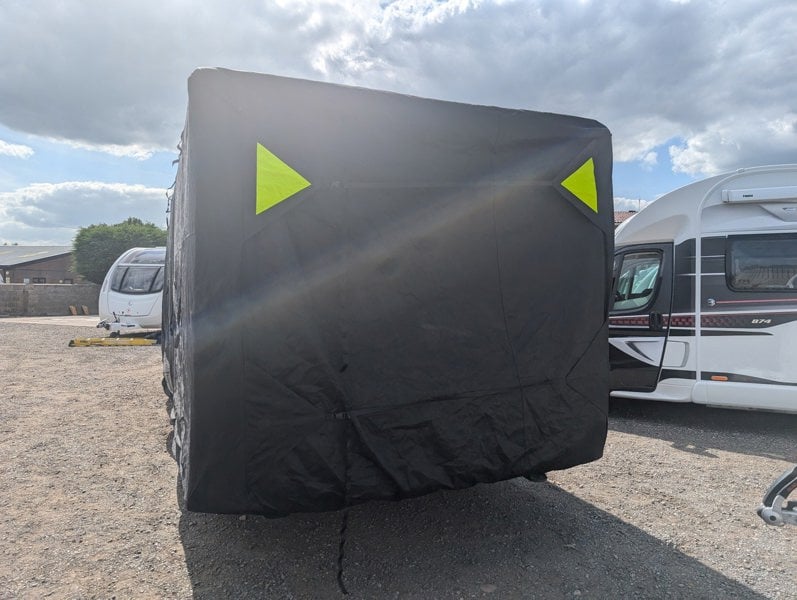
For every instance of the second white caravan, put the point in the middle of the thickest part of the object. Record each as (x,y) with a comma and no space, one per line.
(131,295)
(705,294)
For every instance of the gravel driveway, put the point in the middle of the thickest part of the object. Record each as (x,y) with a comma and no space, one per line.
(88,505)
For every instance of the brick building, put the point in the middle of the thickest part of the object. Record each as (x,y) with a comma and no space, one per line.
(622,215)
(37,264)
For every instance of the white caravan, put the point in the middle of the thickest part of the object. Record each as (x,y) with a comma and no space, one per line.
(722,329)
(132,292)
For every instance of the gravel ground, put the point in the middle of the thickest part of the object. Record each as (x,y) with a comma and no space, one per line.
(89,508)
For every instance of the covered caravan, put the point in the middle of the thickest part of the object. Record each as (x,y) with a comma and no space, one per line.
(375,296)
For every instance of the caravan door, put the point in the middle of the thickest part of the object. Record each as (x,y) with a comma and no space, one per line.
(639,315)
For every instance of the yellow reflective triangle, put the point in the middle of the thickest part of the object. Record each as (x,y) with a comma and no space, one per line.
(581,183)
(276,181)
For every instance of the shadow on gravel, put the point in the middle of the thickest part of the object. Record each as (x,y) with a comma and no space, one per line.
(513,539)
(695,428)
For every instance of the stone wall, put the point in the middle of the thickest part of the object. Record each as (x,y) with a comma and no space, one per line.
(47,299)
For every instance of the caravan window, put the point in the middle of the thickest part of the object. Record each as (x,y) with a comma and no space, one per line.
(762,262)
(138,280)
(116,278)
(636,276)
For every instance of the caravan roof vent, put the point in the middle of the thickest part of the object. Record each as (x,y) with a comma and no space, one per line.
(759,195)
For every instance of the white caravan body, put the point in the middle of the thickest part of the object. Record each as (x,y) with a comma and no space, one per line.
(132,292)
(720,329)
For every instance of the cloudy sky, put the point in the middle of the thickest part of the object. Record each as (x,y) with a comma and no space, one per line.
(93,92)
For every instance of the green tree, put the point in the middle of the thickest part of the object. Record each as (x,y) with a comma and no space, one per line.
(97,246)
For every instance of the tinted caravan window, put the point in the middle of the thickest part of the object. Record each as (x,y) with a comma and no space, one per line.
(116,278)
(140,280)
(762,262)
(636,276)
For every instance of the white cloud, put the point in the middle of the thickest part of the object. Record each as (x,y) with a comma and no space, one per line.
(650,160)
(630,204)
(650,72)
(51,213)
(112,76)
(745,140)
(15,150)
(137,151)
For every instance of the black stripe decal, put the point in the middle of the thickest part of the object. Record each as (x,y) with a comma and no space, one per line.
(682,333)
(721,332)
(677,374)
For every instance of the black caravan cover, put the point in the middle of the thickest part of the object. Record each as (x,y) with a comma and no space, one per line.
(372,295)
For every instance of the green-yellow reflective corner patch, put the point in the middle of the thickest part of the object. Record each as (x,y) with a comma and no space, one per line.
(276,181)
(581,183)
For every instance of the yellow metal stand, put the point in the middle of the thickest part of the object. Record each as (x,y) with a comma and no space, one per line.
(112,341)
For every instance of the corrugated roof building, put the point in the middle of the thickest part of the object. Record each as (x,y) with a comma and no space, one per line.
(37,264)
